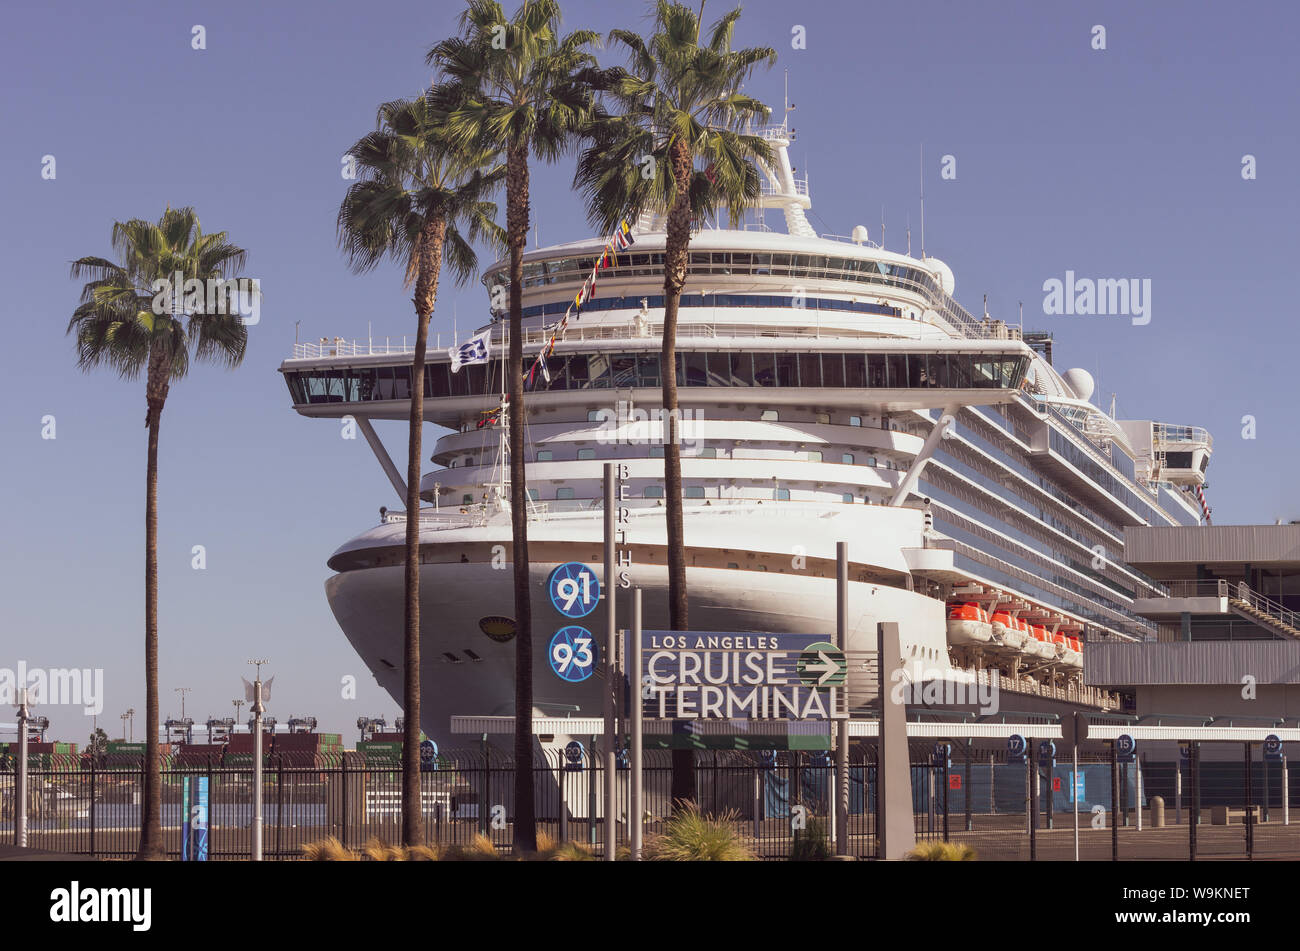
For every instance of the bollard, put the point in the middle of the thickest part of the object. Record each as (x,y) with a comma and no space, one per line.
(1157,812)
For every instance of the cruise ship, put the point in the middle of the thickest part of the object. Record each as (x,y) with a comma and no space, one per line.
(831,390)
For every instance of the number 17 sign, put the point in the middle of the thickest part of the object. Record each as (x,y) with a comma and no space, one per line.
(574,589)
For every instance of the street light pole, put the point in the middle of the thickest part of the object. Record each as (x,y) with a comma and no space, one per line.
(258,709)
(20,807)
(183,691)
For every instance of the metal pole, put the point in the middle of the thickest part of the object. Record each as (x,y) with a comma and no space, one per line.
(1194,807)
(636,809)
(1033,800)
(841,812)
(1074,792)
(1286,795)
(1178,787)
(611,668)
(1114,803)
(1137,767)
(1250,794)
(257,769)
(20,806)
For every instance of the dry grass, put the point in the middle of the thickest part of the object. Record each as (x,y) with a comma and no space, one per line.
(328,849)
(942,852)
(691,836)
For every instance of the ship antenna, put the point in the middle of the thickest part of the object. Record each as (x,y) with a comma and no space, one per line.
(909,236)
(923,201)
(882,227)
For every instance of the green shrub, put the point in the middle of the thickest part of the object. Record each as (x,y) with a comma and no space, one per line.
(811,844)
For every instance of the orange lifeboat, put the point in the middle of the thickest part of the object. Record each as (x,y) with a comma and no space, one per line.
(1006,631)
(968,623)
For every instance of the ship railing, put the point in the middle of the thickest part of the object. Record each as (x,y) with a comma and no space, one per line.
(390,346)
(1255,604)
(1166,433)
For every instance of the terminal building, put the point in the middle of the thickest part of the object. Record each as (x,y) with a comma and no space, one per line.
(1228,625)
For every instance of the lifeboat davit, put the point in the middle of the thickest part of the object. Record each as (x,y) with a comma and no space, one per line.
(1006,631)
(1039,643)
(968,623)
(1069,651)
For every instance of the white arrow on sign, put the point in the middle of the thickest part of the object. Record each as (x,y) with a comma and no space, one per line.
(828,667)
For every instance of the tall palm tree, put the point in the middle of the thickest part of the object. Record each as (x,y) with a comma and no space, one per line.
(678,103)
(423,204)
(133,319)
(517,87)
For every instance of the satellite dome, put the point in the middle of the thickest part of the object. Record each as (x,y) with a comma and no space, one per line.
(944,273)
(1080,381)
(860,234)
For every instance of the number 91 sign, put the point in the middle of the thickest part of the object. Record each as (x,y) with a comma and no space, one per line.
(573,653)
(574,589)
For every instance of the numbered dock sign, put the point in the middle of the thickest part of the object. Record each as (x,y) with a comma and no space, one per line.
(572,653)
(574,589)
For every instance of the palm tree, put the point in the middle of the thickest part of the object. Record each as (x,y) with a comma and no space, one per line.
(519,88)
(678,103)
(422,204)
(132,318)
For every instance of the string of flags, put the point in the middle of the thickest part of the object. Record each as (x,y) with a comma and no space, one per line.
(620,240)
(1205,506)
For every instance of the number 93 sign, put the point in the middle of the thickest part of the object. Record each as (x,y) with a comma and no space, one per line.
(573,653)
(574,589)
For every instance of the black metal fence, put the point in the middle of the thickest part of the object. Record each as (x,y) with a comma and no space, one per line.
(779,803)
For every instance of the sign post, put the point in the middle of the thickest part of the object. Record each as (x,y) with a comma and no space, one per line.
(894,818)
(636,808)
(841,810)
(611,678)
(194,810)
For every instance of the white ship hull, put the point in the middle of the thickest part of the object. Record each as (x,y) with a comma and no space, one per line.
(454,597)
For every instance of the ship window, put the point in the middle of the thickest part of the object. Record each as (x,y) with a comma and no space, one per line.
(876,370)
(847,497)
(534,494)
(764,369)
(709,452)
(741,369)
(871,460)
(647,367)
(697,370)
(733,565)
(544,455)
(597,415)
(466,499)
(832,369)
(654,492)
(896,370)
(586,454)
(787,372)
(814,455)
(693,492)
(810,369)
(855,370)
(855,420)
(768,415)
(656,452)
(781,495)
(564,492)
(823,417)
(847,459)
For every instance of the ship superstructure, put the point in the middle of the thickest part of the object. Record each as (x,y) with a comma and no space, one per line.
(830,390)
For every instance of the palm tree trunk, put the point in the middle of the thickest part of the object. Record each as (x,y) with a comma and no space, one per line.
(151,842)
(525,832)
(426,292)
(676,244)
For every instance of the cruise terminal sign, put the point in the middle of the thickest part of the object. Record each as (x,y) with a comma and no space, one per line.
(723,675)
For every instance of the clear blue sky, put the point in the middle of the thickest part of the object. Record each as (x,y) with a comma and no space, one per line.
(1122,163)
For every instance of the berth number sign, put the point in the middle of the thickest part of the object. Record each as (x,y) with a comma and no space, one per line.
(574,589)
(573,653)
